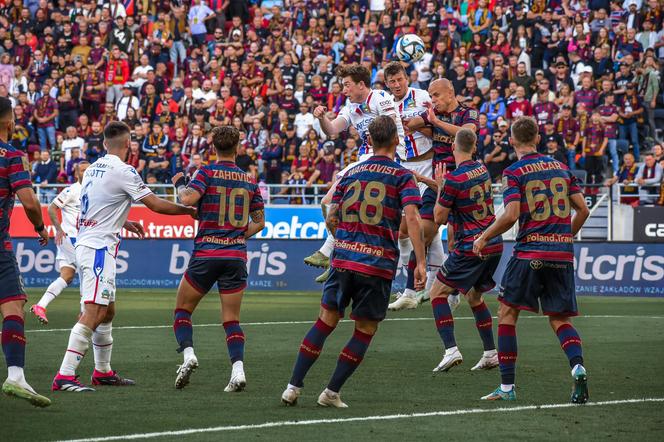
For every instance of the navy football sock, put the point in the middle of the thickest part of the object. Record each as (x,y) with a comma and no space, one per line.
(310,349)
(410,278)
(570,342)
(13,341)
(444,321)
(234,340)
(184,332)
(484,324)
(349,359)
(507,352)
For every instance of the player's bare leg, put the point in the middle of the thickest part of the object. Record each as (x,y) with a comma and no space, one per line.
(230,317)
(507,353)
(321,257)
(484,324)
(310,350)
(442,314)
(13,347)
(349,359)
(570,342)
(52,291)
(186,302)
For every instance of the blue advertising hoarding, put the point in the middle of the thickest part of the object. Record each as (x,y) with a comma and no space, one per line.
(608,269)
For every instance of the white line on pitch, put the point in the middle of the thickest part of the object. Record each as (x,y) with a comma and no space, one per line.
(360,419)
(460,318)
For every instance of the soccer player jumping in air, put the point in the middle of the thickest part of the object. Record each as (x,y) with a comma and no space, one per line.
(540,193)
(364,217)
(228,198)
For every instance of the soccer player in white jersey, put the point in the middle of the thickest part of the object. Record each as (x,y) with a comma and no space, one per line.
(362,107)
(108,189)
(69,205)
(411,102)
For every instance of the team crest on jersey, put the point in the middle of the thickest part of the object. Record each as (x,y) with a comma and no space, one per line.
(106,294)
(473,114)
(536,264)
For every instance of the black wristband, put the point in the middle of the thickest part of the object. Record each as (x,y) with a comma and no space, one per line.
(182,181)
(40,228)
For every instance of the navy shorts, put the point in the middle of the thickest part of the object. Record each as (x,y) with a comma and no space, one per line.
(463,272)
(229,274)
(11,283)
(370,294)
(527,284)
(428,204)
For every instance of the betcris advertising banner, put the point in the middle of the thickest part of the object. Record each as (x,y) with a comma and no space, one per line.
(606,269)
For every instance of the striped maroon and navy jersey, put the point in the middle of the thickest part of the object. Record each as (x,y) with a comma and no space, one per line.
(442,141)
(543,187)
(14,175)
(371,197)
(229,196)
(467,193)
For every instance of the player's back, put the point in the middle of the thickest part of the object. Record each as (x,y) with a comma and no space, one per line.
(371,197)
(229,195)
(467,193)
(543,187)
(14,175)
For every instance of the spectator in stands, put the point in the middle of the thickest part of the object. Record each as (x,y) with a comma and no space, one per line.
(45,113)
(649,177)
(45,172)
(159,165)
(626,176)
(631,113)
(71,141)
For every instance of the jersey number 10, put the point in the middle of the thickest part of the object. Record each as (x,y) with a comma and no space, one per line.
(228,204)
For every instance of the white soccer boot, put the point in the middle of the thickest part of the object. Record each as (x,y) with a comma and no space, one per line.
(406,301)
(329,398)
(184,372)
(488,361)
(290,395)
(451,358)
(238,379)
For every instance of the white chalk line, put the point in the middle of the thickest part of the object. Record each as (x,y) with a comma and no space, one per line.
(278,424)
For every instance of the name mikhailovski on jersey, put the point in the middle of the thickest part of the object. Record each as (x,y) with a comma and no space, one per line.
(540,167)
(223,241)
(358,247)
(378,168)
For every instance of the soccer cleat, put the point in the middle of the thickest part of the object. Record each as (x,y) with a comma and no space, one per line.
(110,378)
(238,380)
(320,279)
(184,372)
(40,313)
(488,361)
(453,301)
(290,395)
(397,295)
(422,296)
(450,359)
(24,391)
(317,260)
(69,383)
(580,392)
(404,302)
(499,395)
(329,398)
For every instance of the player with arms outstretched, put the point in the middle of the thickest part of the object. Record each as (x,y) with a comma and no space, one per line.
(15,181)
(466,193)
(109,186)
(68,202)
(364,216)
(540,193)
(231,210)
(363,106)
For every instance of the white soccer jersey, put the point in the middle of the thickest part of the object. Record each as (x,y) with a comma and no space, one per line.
(360,115)
(109,186)
(411,105)
(69,202)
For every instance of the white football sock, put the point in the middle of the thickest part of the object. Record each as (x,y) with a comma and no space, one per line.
(102,345)
(405,247)
(409,293)
(15,374)
(506,388)
(79,342)
(328,246)
(435,258)
(52,292)
(188,353)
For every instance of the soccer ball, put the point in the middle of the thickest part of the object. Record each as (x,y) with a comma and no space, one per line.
(410,48)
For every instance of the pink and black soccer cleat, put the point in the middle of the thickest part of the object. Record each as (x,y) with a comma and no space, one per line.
(40,313)
(69,383)
(111,378)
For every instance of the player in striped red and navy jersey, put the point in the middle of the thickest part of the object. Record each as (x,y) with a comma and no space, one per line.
(15,181)
(466,192)
(364,216)
(227,199)
(540,193)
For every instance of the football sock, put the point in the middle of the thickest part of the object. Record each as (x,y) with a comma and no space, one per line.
(13,341)
(184,332)
(79,341)
(102,346)
(410,280)
(507,352)
(328,246)
(484,324)
(444,321)
(234,341)
(435,258)
(570,342)
(349,359)
(310,349)
(405,247)
(52,291)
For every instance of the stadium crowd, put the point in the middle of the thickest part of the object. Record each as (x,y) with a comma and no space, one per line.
(589,71)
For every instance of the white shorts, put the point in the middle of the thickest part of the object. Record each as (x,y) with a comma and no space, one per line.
(66,256)
(96,270)
(424,168)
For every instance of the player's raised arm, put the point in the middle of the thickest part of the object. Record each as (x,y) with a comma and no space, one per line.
(165,207)
(330,127)
(189,195)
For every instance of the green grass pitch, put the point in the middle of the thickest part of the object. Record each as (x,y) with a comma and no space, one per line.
(623,347)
